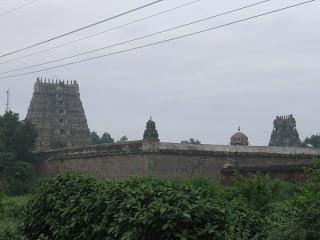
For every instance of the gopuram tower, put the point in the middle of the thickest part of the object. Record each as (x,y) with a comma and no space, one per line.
(284,132)
(57,112)
(151,133)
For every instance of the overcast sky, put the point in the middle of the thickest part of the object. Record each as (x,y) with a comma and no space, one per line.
(203,86)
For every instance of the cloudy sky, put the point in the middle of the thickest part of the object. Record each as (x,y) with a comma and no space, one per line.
(203,86)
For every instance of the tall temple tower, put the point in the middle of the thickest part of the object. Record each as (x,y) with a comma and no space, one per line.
(57,112)
(284,132)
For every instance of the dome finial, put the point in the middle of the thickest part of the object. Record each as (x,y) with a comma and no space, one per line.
(239,128)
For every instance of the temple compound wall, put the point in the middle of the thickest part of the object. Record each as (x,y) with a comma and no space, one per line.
(142,158)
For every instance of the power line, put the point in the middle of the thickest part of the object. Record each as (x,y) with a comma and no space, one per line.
(139,38)
(82,28)
(96,34)
(22,6)
(163,41)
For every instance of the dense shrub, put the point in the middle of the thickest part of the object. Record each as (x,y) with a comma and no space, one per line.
(79,207)
(259,190)
(74,206)
(298,218)
(21,178)
(1,199)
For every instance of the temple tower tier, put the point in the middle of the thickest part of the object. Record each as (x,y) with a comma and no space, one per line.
(284,133)
(57,112)
(151,133)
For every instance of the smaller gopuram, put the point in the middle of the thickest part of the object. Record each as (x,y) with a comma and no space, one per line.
(57,112)
(239,138)
(151,133)
(284,132)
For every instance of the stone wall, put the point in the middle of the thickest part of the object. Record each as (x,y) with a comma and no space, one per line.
(141,158)
(292,173)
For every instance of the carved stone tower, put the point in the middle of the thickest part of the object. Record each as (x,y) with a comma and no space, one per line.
(284,132)
(57,112)
(151,133)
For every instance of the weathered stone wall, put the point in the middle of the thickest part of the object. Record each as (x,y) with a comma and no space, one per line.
(140,158)
(284,172)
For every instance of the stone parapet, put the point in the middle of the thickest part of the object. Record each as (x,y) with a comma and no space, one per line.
(143,147)
(121,160)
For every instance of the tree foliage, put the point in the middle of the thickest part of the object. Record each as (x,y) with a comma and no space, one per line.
(191,141)
(298,218)
(17,136)
(314,141)
(78,207)
(124,138)
(17,140)
(105,138)
(255,207)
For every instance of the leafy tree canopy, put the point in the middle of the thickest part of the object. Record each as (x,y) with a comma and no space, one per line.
(314,141)
(17,140)
(191,141)
(124,138)
(17,136)
(105,138)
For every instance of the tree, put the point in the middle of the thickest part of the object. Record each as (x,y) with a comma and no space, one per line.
(191,141)
(124,138)
(17,140)
(17,137)
(95,138)
(314,141)
(105,138)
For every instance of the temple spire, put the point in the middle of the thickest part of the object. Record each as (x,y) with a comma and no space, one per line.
(151,133)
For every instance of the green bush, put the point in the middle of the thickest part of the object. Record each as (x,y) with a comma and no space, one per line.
(298,218)
(79,207)
(1,199)
(74,206)
(20,177)
(256,188)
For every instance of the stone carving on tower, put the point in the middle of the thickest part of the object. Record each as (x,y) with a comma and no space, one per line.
(57,112)
(151,133)
(239,138)
(284,132)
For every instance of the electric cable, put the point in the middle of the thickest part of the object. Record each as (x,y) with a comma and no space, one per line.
(139,38)
(83,28)
(163,41)
(96,34)
(12,10)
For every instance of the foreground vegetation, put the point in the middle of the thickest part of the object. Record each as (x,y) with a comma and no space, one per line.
(11,213)
(74,206)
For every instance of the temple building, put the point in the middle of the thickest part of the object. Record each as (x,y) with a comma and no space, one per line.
(57,112)
(284,132)
(151,133)
(239,138)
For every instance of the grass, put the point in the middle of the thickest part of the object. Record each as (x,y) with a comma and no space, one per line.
(11,215)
